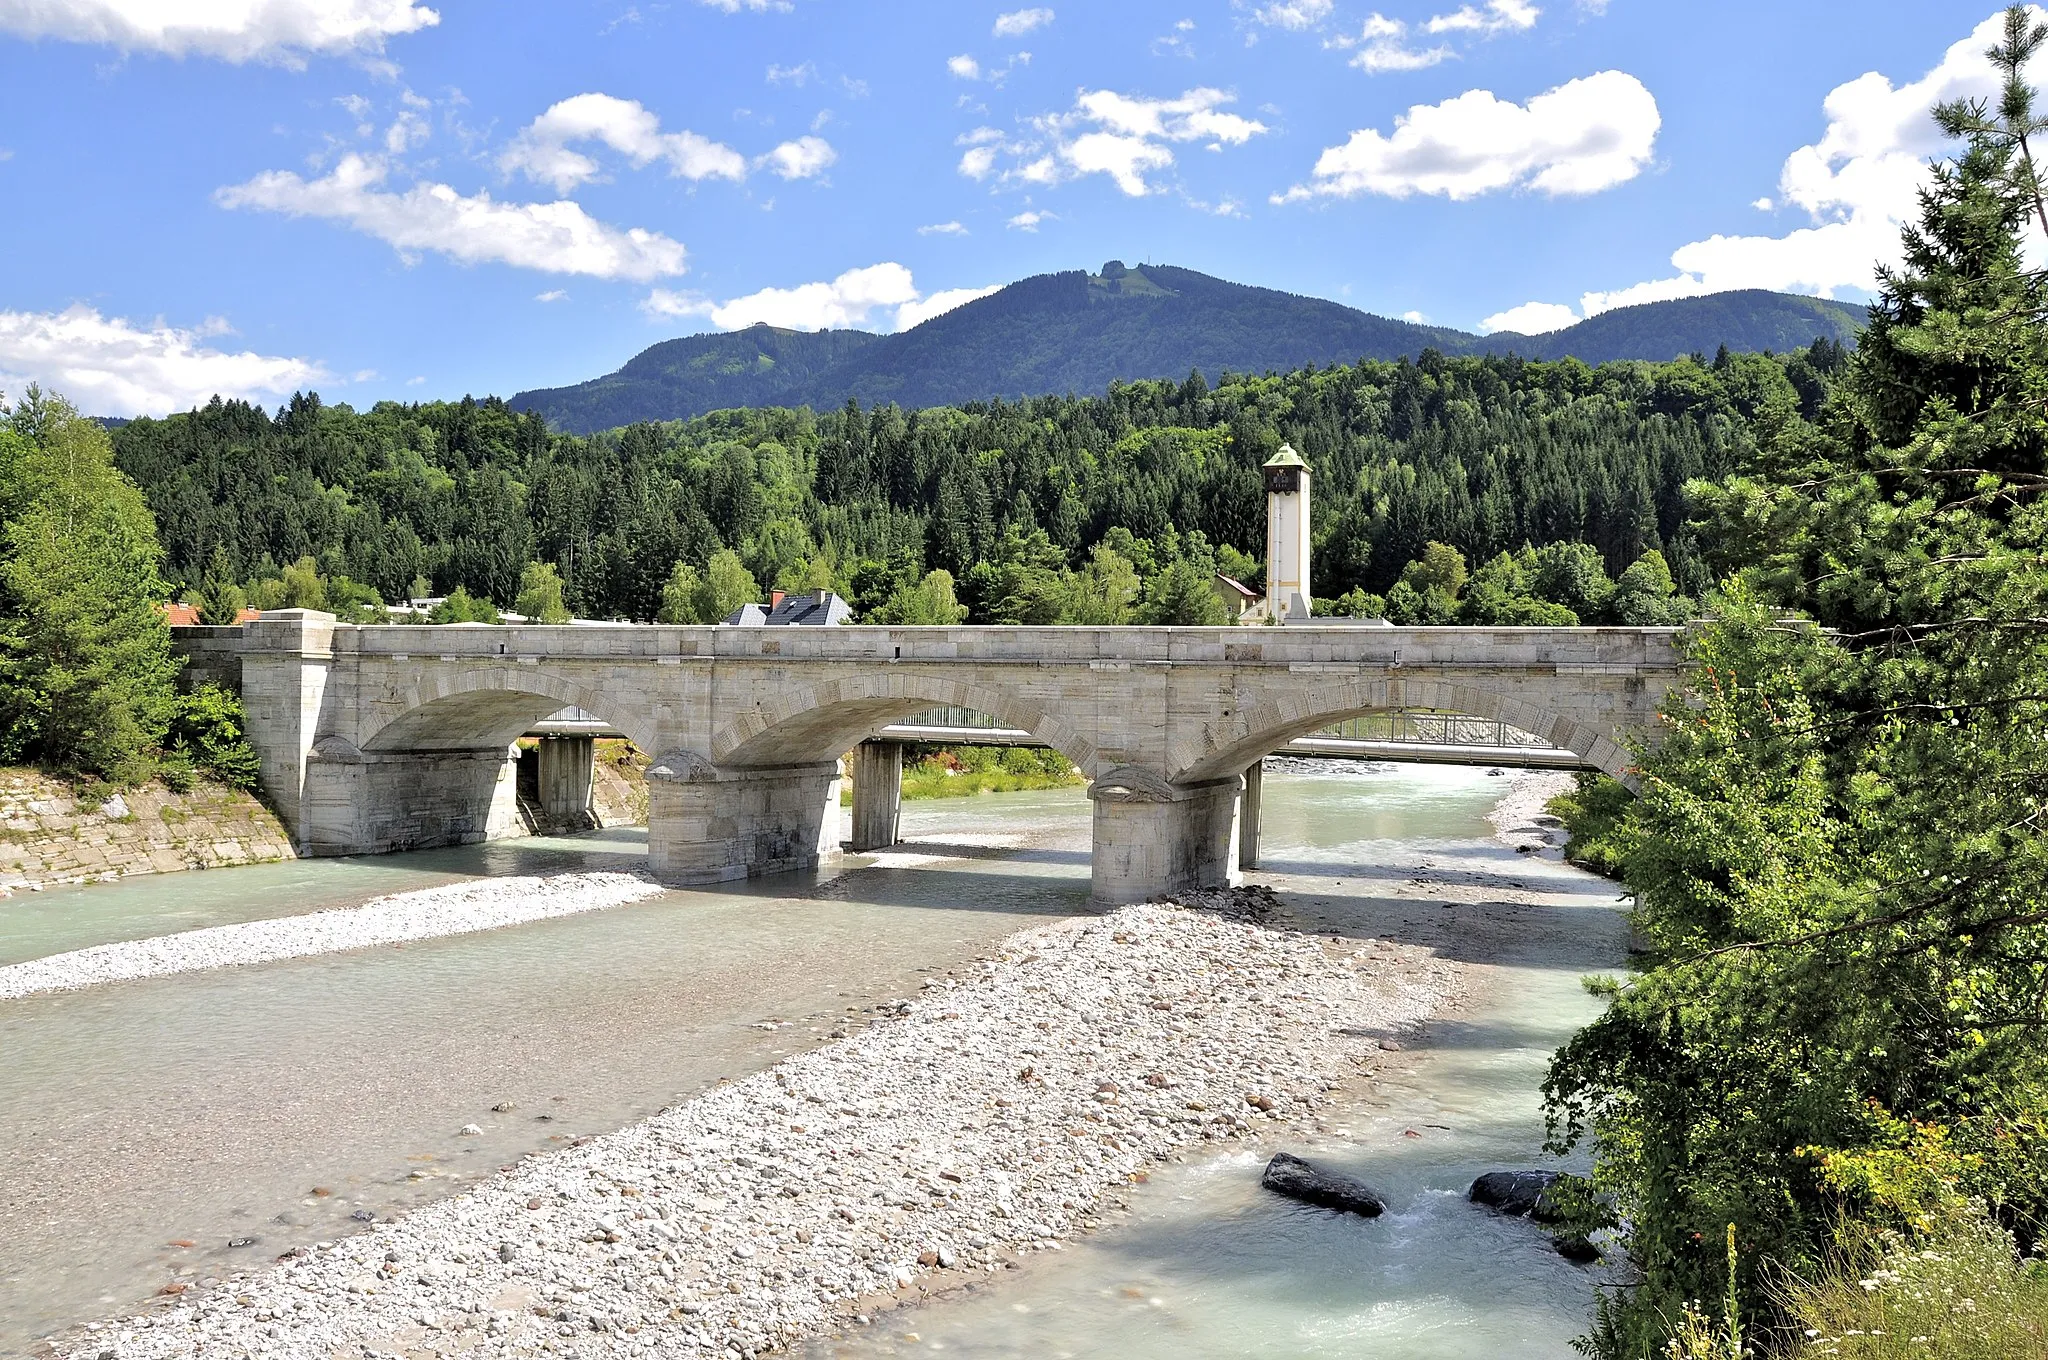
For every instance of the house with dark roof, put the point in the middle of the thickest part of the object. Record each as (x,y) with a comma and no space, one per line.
(810,609)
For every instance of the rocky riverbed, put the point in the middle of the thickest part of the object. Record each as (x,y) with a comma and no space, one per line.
(991,1118)
(426,914)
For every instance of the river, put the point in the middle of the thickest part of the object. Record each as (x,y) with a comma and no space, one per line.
(209,1108)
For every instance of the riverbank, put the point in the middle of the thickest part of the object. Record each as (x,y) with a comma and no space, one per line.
(488,904)
(420,1046)
(985,1121)
(53,832)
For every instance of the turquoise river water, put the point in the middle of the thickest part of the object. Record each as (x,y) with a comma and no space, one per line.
(152,1124)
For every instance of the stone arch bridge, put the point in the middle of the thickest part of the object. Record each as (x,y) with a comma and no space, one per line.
(382,738)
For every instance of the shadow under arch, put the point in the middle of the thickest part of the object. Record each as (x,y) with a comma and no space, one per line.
(821,722)
(490,706)
(1273,723)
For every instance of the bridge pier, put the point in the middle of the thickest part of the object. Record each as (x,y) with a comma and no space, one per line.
(713,824)
(1153,838)
(567,766)
(1248,814)
(877,795)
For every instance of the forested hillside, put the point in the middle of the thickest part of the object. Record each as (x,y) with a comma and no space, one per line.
(1076,333)
(1011,500)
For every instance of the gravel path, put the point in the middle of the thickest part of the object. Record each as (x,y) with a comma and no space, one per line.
(453,910)
(988,1119)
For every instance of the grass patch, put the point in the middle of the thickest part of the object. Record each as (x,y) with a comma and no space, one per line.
(1593,814)
(1959,1293)
(966,771)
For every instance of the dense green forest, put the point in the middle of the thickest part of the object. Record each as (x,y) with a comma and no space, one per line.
(1104,509)
(1078,333)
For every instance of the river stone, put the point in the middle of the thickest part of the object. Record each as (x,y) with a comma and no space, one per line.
(1297,1179)
(1577,1250)
(1517,1193)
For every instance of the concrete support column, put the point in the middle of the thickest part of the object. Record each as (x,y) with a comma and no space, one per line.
(1154,838)
(877,795)
(708,824)
(567,765)
(1248,816)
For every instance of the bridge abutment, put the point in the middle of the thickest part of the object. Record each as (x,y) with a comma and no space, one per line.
(1153,838)
(369,802)
(712,824)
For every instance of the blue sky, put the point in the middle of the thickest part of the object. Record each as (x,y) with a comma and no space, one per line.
(391,199)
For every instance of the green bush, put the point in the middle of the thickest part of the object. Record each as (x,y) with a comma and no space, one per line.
(208,733)
(1594,813)
(463,607)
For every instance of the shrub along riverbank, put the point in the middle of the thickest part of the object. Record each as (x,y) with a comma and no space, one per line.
(1831,1062)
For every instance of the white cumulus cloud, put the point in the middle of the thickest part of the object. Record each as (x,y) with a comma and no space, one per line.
(804,158)
(110,366)
(557,237)
(883,295)
(542,151)
(758,6)
(1857,186)
(943,229)
(1125,137)
(1531,318)
(1030,219)
(846,301)
(1018,22)
(964,67)
(938,304)
(1586,135)
(281,31)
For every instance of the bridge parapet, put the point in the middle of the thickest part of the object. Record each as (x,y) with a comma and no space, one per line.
(384,737)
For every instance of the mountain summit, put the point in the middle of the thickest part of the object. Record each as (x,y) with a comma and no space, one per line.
(1079,332)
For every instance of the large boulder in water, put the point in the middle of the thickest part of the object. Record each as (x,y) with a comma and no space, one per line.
(1517,1193)
(1297,1179)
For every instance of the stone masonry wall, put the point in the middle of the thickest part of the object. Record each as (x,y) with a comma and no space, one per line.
(48,836)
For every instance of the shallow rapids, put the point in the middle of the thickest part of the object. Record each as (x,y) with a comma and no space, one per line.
(1205,1263)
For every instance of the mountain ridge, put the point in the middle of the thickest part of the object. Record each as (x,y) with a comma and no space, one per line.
(1077,332)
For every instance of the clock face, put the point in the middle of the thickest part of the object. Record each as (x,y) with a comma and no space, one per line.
(1282,480)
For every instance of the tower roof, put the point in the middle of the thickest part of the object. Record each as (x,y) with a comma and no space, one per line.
(1287,457)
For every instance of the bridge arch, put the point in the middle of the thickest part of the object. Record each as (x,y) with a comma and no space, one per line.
(1275,720)
(821,722)
(487,706)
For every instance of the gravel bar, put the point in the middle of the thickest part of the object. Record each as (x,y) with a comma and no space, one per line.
(987,1119)
(453,910)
